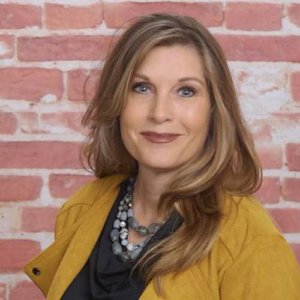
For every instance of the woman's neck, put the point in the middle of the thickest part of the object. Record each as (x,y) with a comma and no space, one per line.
(148,188)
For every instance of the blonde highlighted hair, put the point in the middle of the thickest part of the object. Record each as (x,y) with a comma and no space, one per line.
(227,164)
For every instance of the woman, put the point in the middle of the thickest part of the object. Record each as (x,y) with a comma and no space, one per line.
(171,214)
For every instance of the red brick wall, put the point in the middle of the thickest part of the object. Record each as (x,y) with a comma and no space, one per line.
(46,53)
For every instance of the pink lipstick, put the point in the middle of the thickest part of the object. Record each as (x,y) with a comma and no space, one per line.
(159,138)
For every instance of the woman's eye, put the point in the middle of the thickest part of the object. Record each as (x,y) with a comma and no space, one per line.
(186,92)
(141,88)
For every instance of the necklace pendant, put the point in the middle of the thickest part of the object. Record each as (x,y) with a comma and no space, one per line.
(123,216)
(129,246)
(132,223)
(142,230)
(130,213)
(124,242)
(124,233)
(121,247)
(116,248)
(114,235)
(135,253)
(116,223)
(122,224)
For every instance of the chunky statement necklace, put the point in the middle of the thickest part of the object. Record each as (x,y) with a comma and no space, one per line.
(121,247)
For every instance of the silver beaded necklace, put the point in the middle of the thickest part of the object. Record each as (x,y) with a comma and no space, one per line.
(121,247)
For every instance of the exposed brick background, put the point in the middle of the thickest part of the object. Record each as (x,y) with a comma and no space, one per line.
(7,46)
(20,188)
(61,186)
(59,16)
(253,16)
(16,16)
(14,253)
(27,288)
(50,58)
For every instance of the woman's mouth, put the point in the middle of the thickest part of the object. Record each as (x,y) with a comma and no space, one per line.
(159,138)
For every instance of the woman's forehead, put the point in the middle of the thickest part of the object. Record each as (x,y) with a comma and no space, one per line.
(175,60)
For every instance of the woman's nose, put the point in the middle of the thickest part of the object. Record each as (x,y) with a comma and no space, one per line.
(161,109)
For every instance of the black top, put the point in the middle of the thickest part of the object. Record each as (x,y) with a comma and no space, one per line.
(105,276)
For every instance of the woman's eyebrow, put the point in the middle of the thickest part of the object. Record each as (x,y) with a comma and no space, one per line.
(183,79)
(192,78)
(141,76)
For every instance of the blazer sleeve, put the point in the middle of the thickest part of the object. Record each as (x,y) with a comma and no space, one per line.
(265,269)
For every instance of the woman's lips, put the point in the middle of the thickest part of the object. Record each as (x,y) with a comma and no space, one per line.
(159,138)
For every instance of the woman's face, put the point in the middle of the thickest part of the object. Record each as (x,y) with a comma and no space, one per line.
(165,120)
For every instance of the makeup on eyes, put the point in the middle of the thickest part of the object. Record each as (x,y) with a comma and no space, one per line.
(136,87)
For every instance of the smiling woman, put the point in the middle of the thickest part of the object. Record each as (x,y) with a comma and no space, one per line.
(171,107)
(171,215)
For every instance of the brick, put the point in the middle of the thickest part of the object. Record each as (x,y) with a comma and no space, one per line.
(293,156)
(20,188)
(296,250)
(10,219)
(117,14)
(293,12)
(82,84)
(30,83)
(36,219)
(291,189)
(270,190)
(270,156)
(295,86)
(47,155)
(288,116)
(15,16)
(260,48)
(2,291)
(72,17)
(52,48)
(286,125)
(288,219)
(14,254)
(63,186)
(29,122)
(27,288)
(253,16)
(262,131)
(8,123)
(7,47)
(62,123)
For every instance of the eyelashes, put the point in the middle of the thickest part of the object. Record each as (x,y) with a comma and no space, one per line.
(141,88)
(145,88)
(187,91)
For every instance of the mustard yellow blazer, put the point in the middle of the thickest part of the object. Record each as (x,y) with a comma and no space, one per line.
(250,259)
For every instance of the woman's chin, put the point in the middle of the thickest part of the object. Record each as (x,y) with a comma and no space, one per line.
(159,165)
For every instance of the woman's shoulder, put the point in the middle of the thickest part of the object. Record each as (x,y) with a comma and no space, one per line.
(90,192)
(84,199)
(246,221)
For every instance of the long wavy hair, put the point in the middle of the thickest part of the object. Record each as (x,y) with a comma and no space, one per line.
(227,164)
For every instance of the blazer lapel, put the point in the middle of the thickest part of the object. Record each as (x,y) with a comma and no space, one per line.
(81,245)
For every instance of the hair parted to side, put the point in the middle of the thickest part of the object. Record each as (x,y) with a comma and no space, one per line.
(226,165)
